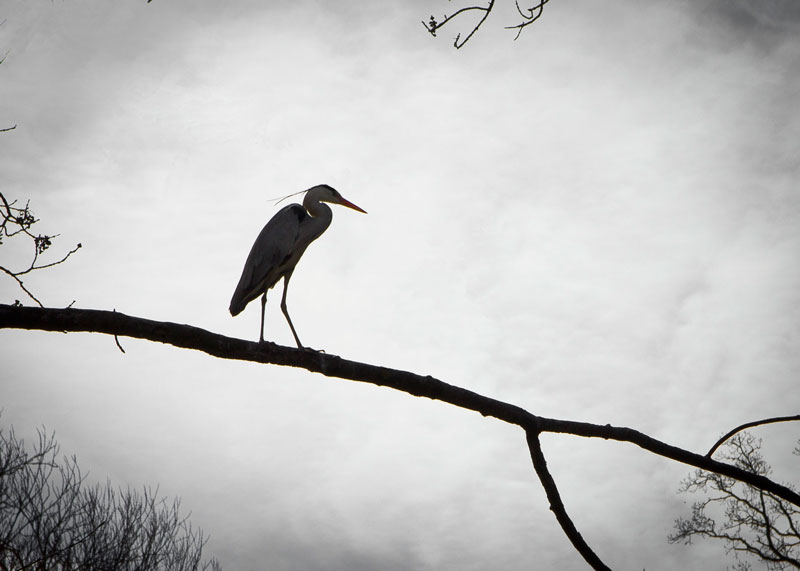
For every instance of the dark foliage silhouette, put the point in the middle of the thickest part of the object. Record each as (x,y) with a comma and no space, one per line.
(50,518)
(752,522)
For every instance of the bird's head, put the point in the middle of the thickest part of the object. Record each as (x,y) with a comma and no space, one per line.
(326,193)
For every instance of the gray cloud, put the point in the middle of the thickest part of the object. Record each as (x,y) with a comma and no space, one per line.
(598,221)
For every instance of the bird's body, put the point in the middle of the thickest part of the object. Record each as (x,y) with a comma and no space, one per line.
(279,247)
(276,252)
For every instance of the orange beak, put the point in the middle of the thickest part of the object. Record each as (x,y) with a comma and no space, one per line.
(349,204)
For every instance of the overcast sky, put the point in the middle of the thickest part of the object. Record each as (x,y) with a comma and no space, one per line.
(597,222)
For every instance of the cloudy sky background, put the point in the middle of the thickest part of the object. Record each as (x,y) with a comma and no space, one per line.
(598,222)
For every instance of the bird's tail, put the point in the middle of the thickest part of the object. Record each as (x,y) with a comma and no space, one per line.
(237,305)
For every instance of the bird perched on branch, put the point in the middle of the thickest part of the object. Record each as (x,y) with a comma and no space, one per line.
(279,247)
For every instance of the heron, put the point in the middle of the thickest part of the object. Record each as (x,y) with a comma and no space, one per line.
(279,247)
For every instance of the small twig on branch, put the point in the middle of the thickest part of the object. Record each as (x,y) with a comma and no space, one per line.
(51,264)
(533,14)
(22,286)
(116,338)
(15,221)
(4,129)
(746,425)
(557,506)
(433,25)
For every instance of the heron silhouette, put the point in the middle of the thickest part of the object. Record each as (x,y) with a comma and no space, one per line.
(279,247)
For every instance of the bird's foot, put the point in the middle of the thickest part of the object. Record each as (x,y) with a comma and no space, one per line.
(311,349)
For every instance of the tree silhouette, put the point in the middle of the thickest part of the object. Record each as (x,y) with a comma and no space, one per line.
(755,522)
(50,518)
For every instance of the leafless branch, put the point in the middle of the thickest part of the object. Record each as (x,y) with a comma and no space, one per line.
(189,337)
(528,15)
(15,221)
(747,425)
(534,13)
(756,521)
(116,339)
(50,518)
(22,285)
(557,506)
(433,25)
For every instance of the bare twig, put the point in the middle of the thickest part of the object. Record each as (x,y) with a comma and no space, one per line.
(16,221)
(22,286)
(529,16)
(51,264)
(116,338)
(747,425)
(533,14)
(433,25)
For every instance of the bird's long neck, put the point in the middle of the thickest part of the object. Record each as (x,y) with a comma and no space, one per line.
(320,213)
(316,208)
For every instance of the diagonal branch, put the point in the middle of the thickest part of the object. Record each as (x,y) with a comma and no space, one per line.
(189,337)
(557,506)
(21,285)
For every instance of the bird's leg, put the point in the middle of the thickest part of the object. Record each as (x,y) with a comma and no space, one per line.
(286,311)
(263,307)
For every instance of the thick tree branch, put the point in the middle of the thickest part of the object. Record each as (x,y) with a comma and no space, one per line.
(189,337)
